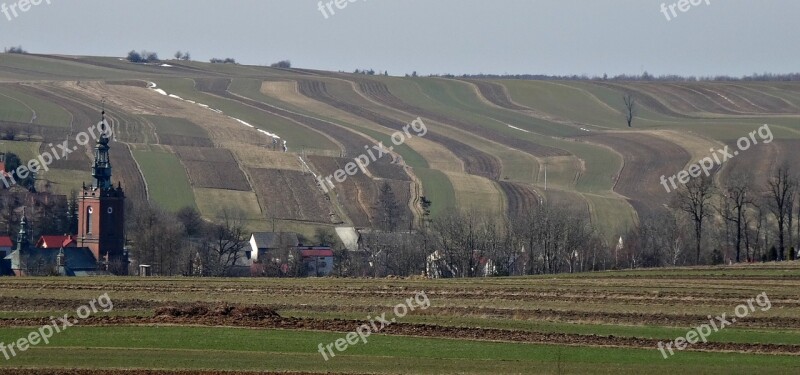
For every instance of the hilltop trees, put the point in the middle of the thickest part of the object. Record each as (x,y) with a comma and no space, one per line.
(142,57)
(17,50)
(182,56)
(283,64)
(227,60)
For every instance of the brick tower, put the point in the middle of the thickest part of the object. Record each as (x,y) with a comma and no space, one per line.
(101,209)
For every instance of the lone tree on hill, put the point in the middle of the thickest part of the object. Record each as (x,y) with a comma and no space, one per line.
(630,108)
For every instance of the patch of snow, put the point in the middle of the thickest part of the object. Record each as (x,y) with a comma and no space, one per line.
(166,65)
(154,87)
(520,129)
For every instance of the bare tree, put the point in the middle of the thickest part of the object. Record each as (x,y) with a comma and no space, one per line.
(630,108)
(695,200)
(389,211)
(735,199)
(782,189)
(228,238)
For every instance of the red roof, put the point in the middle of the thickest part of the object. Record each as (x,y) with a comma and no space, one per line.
(316,253)
(5,241)
(55,242)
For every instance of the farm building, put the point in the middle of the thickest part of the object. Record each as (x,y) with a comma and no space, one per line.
(264,245)
(280,254)
(317,261)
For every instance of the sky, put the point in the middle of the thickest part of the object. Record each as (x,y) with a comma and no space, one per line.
(555,37)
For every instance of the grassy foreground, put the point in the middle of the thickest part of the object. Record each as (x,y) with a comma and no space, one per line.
(277,350)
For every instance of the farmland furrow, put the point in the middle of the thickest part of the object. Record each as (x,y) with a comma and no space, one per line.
(380,93)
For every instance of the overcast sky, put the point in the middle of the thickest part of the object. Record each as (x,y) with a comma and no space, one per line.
(592,37)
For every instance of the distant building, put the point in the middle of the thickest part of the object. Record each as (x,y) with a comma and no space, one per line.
(266,245)
(317,261)
(6,246)
(280,254)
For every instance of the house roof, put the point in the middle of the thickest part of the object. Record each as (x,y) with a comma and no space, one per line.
(5,241)
(319,251)
(56,242)
(274,240)
(76,258)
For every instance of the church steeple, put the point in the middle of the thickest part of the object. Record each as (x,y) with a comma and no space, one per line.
(23,239)
(101,208)
(101,171)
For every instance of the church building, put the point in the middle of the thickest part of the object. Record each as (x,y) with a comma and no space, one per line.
(99,246)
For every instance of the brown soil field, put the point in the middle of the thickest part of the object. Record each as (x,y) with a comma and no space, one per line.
(389,171)
(496,94)
(646,158)
(359,193)
(760,169)
(182,140)
(520,198)
(216,175)
(216,155)
(290,195)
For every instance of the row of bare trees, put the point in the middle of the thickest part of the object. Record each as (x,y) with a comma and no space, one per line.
(736,221)
(544,240)
(706,223)
(184,243)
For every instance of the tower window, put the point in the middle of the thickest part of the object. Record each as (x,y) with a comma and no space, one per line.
(89,212)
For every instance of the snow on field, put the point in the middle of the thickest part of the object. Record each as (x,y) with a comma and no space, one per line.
(243,122)
(520,129)
(166,65)
(154,87)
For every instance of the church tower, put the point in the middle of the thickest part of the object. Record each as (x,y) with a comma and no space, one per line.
(101,209)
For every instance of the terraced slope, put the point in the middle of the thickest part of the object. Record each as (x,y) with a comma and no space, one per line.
(493,144)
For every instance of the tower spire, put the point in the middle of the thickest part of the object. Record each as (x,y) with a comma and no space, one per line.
(101,170)
(23,241)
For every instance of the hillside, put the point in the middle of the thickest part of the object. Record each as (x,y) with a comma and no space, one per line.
(206,135)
